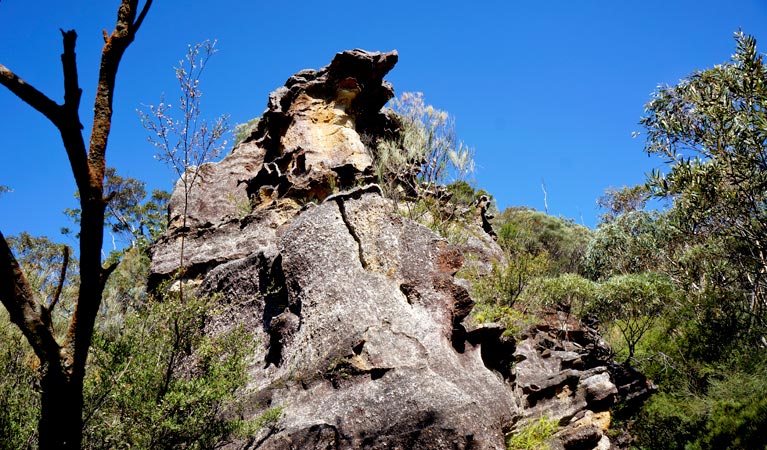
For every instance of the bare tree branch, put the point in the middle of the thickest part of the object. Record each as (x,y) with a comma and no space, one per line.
(70,125)
(30,95)
(62,278)
(72,91)
(108,271)
(142,15)
(25,311)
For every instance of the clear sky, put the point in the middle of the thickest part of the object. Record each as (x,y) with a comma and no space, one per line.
(544,91)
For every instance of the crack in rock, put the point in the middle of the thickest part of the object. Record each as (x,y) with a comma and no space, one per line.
(352,231)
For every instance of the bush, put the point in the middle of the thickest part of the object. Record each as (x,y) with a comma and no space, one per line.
(531,231)
(508,279)
(425,151)
(161,382)
(668,422)
(19,402)
(633,303)
(569,292)
(731,414)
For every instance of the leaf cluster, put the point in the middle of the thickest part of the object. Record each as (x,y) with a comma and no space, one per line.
(161,382)
(424,152)
(133,218)
(712,130)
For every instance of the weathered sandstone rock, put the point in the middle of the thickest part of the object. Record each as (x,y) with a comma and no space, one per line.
(357,316)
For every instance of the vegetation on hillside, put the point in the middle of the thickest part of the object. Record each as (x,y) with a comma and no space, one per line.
(679,292)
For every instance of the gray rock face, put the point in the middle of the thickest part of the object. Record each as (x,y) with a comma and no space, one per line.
(375,361)
(357,315)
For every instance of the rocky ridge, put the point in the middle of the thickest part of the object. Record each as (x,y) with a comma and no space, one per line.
(359,319)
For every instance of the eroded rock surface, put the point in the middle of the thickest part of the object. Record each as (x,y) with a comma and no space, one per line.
(308,142)
(358,319)
(371,360)
(564,372)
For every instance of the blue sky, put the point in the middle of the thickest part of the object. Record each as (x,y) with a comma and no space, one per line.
(544,91)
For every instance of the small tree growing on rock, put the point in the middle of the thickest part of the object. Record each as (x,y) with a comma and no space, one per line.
(426,152)
(414,166)
(187,141)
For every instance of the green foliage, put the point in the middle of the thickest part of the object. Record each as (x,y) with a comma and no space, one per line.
(161,382)
(633,303)
(154,380)
(19,402)
(712,129)
(568,292)
(631,242)
(617,202)
(243,130)
(131,217)
(423,168)
(268,419)
(506,281)
(737,412)
(512,319)
(668,421)
(704,320)
(463,194)
(41,260)
(497,292)
(731,414)
(123,295)
(542,259)
(425,151)
(533,232)
(532,436)
(413,165)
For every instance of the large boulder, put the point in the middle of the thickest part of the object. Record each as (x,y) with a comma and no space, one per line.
(357,315)
(368,360)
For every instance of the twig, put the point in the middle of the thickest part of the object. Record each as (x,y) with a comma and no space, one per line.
(62,278)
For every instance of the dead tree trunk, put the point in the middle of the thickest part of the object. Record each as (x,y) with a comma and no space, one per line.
(63,366)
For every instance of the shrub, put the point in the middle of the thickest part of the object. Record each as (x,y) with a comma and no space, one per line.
(533,435)
(533,232)
(425,151)
(569,292)
(19,402)
(633,303)
(161,382)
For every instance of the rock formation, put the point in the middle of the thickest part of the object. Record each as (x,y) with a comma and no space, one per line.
(359,320)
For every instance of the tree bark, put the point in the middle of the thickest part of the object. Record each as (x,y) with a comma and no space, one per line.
(63,367)
(61,401)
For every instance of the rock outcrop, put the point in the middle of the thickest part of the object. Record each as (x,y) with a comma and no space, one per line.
(359,320)
(564,371)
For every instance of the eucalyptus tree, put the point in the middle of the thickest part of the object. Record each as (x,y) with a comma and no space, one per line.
(711,128)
